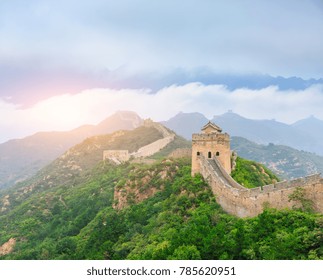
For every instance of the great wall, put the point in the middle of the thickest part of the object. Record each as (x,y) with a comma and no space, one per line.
(242,202)
(119,156)
(212,158)
(210,151)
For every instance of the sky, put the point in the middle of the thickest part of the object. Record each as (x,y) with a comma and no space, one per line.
(66,63)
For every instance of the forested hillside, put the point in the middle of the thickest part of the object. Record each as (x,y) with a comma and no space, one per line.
(159,212)
(285,161)
(22,158)
(251,174)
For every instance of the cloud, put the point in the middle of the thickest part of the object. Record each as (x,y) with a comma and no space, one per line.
(91,106)
(274,37)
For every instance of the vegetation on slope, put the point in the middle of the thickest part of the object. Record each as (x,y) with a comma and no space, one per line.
(285,161)
(75,166)
(22,158)
(251,174)
(179,221)
(178,143)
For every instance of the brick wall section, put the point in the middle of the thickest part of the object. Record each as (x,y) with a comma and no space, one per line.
(156,146)
(213,143)
(153,148)
(243,202)
(180,153)
(119,156)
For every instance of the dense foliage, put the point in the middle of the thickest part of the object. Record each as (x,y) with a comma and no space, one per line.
(251,174)
(180,221)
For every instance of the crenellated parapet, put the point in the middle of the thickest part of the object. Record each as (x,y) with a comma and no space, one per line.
(242,202)
(211,156)
(120,156)
(211,142)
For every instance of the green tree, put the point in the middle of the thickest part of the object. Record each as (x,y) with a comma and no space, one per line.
(186,252)
(299,195)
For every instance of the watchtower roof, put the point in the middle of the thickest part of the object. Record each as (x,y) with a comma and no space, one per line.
(211,128)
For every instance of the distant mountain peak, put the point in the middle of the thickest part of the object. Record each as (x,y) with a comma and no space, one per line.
(304,135)
(186,123)
(19,159)
(310,120)
(313,118)
(126,119)
(126,114)
(183,114)
(229,115)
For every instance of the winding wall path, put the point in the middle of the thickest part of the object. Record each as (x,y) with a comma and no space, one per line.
(242,202)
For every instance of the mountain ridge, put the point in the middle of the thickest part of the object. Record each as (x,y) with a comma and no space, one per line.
(21,158)
(259,131)
(34,152)
(286,162)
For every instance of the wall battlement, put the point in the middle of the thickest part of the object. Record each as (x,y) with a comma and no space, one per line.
(119,156)
(234,198)
(211,142)
(311,179)
(207,137)
(243,202)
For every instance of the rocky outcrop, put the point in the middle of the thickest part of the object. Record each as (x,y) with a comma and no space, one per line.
(7,247)
(142,184)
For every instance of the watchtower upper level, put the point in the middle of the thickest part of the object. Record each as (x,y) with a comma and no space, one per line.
(211,142)
(211,128)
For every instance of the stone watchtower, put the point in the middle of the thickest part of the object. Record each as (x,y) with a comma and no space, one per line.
(211,143)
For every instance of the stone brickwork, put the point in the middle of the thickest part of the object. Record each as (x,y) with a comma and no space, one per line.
(119,156)
(242,202)
(153,148)
(211,157)
(211,143)
(156,146)
(181,153)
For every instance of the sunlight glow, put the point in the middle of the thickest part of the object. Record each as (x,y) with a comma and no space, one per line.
(65,112)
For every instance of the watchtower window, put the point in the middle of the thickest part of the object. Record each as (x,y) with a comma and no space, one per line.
(209,155)
(198,153)
(217,154)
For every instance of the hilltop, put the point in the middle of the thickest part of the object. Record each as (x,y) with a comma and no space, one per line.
(76,164)
(22,158)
